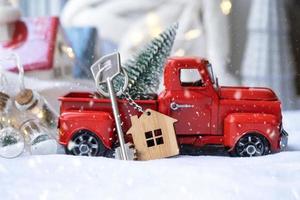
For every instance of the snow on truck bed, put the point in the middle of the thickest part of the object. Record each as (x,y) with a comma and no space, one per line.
(58,177)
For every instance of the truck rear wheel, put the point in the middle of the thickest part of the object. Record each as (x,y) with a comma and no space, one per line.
(85,143)
(251,145)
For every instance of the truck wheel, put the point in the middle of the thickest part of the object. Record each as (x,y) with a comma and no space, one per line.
(251,145)
(85,143)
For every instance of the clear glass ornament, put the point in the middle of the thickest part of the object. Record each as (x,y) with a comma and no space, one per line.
(36,105)
(5,107)
(33,117)
(11,142)
(39,139)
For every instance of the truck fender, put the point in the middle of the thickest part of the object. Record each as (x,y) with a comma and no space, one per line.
(237,125)
(100,123)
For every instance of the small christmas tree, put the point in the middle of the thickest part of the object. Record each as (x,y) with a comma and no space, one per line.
(145,69)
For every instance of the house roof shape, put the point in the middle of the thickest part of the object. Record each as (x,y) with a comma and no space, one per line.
(153,118)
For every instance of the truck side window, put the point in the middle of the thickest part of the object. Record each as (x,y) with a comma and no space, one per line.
(190,78)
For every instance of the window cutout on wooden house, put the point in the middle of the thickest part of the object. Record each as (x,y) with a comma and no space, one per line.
(158,137)
(148,135)
(157,132)
(159,141)
(150,143)
(154,138)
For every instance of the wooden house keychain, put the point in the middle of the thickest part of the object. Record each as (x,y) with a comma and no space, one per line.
(153,133)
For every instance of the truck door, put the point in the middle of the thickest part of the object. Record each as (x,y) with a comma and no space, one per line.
(192,104)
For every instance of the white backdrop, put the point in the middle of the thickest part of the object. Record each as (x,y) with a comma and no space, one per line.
(203,28)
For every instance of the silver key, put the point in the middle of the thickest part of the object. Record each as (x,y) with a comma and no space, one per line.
(104,70)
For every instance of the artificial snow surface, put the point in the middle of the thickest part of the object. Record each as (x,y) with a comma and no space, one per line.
(62,177)
(274,176)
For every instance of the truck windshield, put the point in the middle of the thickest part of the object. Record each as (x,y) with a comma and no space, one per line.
(211,75)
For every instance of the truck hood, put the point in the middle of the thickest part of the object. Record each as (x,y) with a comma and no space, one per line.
(247,93)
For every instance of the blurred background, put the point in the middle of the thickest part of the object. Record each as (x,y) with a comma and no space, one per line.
(248,42)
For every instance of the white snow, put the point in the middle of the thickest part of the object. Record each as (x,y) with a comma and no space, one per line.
(62,177)
(275,176)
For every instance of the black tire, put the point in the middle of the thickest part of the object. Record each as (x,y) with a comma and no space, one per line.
(85,143)
(251,145)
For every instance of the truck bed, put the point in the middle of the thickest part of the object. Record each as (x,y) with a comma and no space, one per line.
(85,102)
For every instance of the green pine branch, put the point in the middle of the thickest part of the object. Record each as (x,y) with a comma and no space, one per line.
(145,69)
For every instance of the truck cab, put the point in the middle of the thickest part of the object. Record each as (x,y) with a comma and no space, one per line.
(210,114)
(190,95)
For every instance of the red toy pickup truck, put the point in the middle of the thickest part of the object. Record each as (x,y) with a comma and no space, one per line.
(245,120)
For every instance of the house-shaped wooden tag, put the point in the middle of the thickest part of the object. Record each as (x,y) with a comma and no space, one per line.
(153,135)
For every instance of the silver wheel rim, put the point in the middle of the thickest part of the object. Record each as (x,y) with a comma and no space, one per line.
(250,145)
(85,144)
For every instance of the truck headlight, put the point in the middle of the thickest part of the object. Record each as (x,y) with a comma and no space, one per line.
(283,140)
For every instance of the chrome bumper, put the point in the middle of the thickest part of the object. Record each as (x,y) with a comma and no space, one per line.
(283,140)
